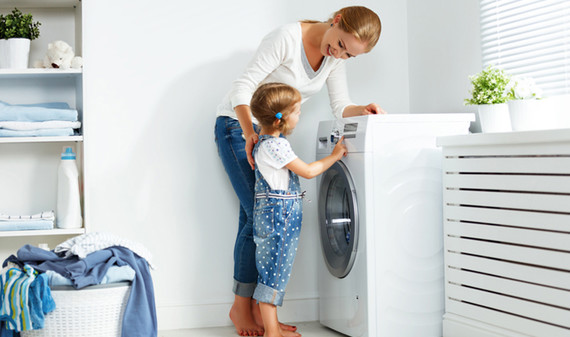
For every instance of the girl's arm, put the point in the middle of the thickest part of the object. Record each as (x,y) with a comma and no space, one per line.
(309,171)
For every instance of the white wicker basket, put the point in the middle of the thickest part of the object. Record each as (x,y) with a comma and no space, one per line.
(89,312)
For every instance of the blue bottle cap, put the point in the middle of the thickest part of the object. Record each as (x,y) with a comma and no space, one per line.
(68,154)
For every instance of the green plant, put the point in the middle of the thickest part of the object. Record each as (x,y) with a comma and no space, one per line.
(18,25)
(489,87)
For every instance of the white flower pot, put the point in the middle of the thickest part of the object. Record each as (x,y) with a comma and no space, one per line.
(494,117)
(14,53)
(531,114)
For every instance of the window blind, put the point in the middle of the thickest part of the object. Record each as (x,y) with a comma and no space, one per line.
(529,38)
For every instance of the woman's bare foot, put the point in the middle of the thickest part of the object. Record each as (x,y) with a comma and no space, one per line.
(259,321)
(290,333)
(241,316)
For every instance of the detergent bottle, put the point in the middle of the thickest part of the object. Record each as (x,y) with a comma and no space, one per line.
(68,213)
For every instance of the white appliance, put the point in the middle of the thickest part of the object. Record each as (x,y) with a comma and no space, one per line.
(380,220)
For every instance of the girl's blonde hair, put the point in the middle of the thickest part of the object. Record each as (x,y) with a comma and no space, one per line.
(270,99)
(360,22)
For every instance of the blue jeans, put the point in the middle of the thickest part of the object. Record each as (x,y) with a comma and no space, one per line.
(231,149)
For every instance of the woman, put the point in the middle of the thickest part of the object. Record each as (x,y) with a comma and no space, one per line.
(304,55)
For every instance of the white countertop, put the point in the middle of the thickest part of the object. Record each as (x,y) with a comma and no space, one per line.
(515,137)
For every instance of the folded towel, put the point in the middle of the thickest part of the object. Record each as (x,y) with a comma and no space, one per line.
(26,126)
(37,133)
(35,113)
(46,215)
(53,105)
(25,225)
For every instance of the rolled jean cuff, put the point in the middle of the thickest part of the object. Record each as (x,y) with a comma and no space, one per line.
(269,295)
(244,289)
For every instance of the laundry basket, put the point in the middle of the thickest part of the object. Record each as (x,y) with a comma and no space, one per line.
(92,311)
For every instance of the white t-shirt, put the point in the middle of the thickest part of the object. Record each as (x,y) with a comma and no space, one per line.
(271,157)
(281,57)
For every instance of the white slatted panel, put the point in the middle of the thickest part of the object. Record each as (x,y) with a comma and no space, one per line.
(507,237)
(530,38)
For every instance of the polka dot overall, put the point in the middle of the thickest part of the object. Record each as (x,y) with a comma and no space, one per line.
(277,216)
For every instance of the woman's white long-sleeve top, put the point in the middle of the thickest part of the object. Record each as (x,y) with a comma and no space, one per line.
(281,58)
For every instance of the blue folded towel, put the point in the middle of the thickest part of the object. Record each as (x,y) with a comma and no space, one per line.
(25,225)
(36,112)
(37,132)
(52,105)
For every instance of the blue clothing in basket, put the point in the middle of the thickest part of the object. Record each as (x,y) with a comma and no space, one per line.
(139,318)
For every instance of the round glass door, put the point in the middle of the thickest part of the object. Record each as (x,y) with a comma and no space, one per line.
(338,219)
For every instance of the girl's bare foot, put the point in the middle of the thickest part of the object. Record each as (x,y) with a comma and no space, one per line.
(241,316)
(259,321)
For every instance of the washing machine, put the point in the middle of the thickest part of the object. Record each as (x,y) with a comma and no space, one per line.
(380,224)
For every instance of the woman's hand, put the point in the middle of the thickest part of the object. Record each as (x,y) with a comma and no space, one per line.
(250,142)
(360,110)
(373,109)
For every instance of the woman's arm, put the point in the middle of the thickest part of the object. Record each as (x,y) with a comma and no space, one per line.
(309,171)
(243,113)
(359,110)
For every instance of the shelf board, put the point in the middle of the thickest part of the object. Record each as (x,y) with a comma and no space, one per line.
(39,72)
(39,3)
(12,140)
(55,231)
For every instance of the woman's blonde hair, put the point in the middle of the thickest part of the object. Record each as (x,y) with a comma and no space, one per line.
(270,99)
(360,22)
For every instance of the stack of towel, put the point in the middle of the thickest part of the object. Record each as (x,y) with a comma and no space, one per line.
(38,120)
(43,220)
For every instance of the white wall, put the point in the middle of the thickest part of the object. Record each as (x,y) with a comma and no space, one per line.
(444,49)
(154,74)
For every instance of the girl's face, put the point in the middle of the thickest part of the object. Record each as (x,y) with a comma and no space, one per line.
(293,117)
(340,44)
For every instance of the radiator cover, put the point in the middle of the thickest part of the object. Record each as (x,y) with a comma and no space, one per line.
(507,234)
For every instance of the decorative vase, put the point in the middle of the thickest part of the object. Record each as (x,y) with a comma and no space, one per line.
(531,114)
(14,53)
(494,117)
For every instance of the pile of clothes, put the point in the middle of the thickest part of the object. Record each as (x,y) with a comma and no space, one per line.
(88,259)
(43,220)
(38,120)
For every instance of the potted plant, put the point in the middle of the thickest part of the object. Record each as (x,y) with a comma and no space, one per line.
(525,107)
(17,30)
(489,93)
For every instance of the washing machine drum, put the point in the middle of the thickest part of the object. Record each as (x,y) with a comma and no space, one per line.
(338,219)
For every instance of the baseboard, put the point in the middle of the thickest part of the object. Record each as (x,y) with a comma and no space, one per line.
(192,316)
(459,326)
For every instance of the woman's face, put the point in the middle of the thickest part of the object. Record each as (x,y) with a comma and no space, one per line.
(340,44)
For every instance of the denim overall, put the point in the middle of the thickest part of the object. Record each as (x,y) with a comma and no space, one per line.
(277,219)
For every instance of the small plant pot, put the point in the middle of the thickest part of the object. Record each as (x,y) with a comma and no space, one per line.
(532,114)
(494,117)
(14,53)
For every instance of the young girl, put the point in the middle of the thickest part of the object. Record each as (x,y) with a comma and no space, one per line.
(277,211)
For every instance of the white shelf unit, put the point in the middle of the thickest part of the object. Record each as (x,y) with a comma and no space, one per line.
(507,234)
(28,165)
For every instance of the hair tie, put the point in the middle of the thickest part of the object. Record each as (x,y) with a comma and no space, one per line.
(278,115)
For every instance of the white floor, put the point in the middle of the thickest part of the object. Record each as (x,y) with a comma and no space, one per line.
(306,329)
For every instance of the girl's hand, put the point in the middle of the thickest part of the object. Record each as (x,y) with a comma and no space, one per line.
(340,149)
(373,109)
(250,142)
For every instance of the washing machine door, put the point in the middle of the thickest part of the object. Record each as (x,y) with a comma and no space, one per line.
(338,219)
